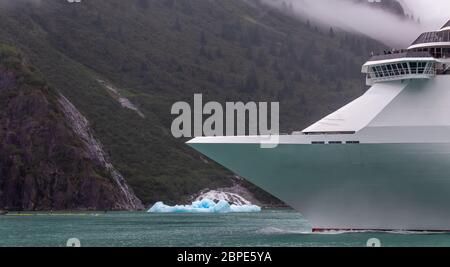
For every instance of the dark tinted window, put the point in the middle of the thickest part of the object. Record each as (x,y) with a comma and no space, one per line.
(413,66)
(433,37)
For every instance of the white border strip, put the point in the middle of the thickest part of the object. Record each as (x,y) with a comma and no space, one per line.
(429,45)
(402,59)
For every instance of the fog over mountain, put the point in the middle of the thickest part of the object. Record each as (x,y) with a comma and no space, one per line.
(433,14)
(382,25)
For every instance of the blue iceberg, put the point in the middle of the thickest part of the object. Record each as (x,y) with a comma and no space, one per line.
(204,206)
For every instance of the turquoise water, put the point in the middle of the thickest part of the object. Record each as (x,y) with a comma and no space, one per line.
(268,228)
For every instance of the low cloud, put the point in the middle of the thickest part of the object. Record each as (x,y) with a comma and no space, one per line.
(433,13)
(376,23)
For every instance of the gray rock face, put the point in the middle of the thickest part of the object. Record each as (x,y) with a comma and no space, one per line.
(49,158)
(80,126)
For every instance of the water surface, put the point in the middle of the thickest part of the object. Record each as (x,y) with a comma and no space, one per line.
(268,228)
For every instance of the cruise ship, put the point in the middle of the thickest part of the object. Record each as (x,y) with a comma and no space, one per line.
(380,163)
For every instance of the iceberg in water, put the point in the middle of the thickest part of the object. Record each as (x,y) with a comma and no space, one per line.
(204,206)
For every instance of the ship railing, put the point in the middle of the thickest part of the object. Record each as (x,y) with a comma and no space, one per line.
(401,54)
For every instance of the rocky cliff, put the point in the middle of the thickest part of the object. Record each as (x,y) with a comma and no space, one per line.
(49,158)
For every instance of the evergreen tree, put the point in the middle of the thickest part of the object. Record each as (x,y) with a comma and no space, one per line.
(142,4)
(169,3)
(219,53)
(331,33)
(203,41)
(251,81)
(177,25)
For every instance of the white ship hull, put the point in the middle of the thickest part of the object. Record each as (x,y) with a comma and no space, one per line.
(392,172)
(350,187)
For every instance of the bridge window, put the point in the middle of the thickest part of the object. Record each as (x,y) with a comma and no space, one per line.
(374,72)
(401,70)
(396,72)
(422,66)
(413,66)
(405,67)
(390,72)
(385,70)
(380,71)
